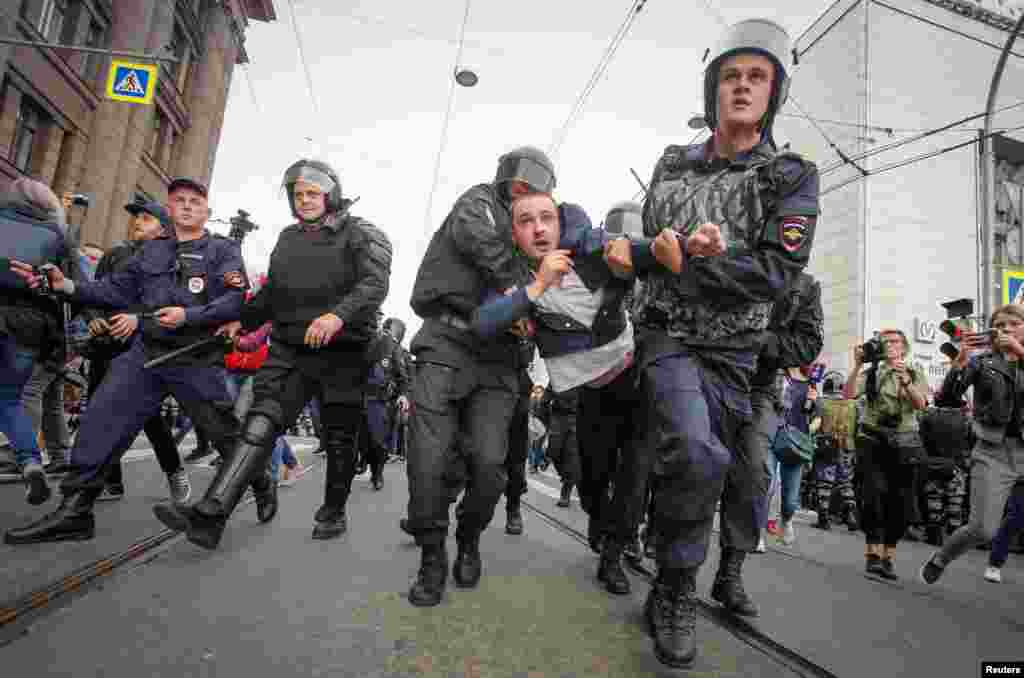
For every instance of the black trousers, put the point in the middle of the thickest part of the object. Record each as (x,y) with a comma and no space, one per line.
(468,404)
(564,446)
(886,493)
(744,507)
(291,376)
(518,449)
(614,468)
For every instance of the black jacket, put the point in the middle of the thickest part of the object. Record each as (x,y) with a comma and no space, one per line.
(342,267)
(795,333)
(998,395)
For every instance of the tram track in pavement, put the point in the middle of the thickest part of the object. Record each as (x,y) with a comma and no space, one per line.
(713,612)
(47,598)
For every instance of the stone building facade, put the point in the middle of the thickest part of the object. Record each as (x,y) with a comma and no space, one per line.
(892,247)
(57,125)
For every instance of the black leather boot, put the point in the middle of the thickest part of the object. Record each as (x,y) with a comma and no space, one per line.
(264,488)
(430,580)
(378,479)
(330,518)
(672,617)
(72,521)
(468,567)
(204,522)
(513,517)
(595,536)
(565,500)
(728,587)
(609,572)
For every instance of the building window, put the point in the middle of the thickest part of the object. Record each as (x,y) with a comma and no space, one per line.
(51,19)
(27,127)
(94,37)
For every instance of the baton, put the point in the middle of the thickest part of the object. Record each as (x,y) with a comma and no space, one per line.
(194,346)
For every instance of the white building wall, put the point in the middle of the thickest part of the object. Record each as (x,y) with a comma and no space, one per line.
(917,224)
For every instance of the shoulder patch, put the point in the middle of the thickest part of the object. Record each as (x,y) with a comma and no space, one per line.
(793,232)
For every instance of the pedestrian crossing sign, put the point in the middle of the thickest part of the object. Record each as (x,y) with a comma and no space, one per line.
(1013,287)
(134,83)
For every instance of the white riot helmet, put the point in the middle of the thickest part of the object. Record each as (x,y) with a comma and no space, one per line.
(757,36)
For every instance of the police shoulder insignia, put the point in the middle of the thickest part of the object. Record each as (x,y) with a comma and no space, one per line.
(793,232)
(234,279)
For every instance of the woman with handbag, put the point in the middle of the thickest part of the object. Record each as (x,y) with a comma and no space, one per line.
(794,446)
(888,443)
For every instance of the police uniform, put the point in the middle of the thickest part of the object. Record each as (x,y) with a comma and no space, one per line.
(834,460)
(388,379)
(518,443)
(164,273)
(564,445)
(461,384)
(704,328)
(946,435)
(341,264)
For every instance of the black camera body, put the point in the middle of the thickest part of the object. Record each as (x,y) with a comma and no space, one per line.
(873,350)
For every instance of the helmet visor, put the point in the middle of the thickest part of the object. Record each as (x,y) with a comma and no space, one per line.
(529,171)
(759,36)
(309,175)
(624,222)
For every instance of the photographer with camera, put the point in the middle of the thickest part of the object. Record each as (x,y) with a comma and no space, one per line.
(888,442)
(997,461)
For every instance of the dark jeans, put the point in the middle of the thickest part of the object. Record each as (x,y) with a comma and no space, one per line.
(16,363)
(1013,521)
(887,484)
(744,508)
(518,449)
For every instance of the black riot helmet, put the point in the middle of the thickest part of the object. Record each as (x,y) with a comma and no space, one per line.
(527,164)
(753,36)
(314,172)
(396,328)
(625,218)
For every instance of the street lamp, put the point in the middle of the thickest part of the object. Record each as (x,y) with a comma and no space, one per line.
(466,77)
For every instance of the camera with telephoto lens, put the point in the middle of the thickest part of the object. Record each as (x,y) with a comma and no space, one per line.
(873,350)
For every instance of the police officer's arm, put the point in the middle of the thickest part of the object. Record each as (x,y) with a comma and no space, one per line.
(476,235)
(226,301)
(801,342)
(373,272)
(742,275)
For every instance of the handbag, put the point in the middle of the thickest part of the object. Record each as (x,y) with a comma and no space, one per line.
(792,446)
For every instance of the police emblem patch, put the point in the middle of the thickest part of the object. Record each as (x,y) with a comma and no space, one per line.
(385,363)
(196,285)
(793,232)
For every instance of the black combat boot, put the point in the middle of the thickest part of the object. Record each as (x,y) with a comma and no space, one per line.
(672,617)
(204,521)
(377,480)
(566,497)
(728,586)
(264,488)
(331,521)
(430,581)
(72,521)
(824,523)
(595,536)
(513,517)
(468,567)
(609,571)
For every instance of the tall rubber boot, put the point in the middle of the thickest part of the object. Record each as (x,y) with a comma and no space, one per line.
(204,522)
(72,521)
(672,616)
(330,519)
(728,587)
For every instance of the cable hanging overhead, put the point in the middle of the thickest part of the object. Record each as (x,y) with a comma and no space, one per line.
(595,77)
(445,123)
(305,64)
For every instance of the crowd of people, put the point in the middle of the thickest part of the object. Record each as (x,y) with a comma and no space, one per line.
(680,340)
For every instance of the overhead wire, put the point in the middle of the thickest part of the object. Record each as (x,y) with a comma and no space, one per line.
(595,77)
(446,122)
(305,64)
(846,159)
(915,159)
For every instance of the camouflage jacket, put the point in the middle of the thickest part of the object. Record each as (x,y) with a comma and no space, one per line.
(766,205)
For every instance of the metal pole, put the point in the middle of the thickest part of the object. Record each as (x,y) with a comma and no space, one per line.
(93,50)
(991,296)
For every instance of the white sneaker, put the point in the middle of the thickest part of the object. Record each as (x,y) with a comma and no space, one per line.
(760,548)
(788,533)
(180,487)
(993,574)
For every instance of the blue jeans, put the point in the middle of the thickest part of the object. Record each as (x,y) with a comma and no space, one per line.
(536,453)
(1013,521)
(16,363)
(789,475)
